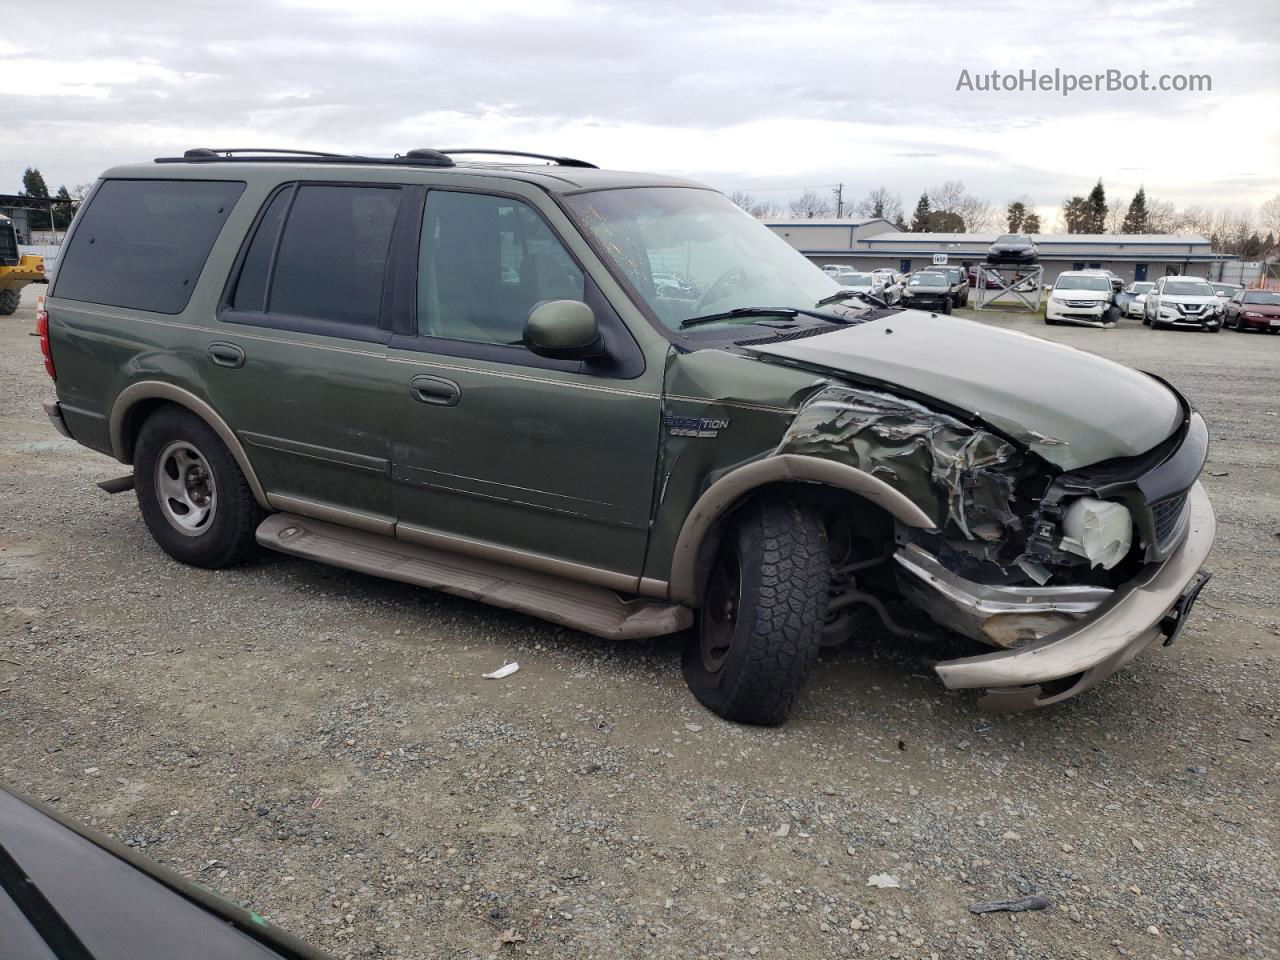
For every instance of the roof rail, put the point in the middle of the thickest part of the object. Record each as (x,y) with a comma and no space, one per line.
(558,161)
(423,158)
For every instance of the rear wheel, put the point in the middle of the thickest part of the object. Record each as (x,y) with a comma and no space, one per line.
(760,625)
(192,494)
(9,301)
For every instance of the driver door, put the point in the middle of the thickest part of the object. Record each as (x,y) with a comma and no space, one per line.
(495,450)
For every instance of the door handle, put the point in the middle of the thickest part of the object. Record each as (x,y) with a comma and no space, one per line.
(226,354)
(435,390)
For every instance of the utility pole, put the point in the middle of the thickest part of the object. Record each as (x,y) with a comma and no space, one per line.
(839,192)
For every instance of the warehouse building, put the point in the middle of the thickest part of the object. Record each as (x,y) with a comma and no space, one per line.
(1130,256)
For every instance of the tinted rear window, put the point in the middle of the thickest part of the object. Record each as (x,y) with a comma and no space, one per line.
(333,254)
(141,244)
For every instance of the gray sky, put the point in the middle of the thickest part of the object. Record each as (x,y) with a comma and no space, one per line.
(762,96)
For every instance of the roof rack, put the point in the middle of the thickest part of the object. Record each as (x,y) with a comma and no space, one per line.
(558,161)
(425,158)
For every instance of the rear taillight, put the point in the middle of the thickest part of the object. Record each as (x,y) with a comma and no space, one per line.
(42,331)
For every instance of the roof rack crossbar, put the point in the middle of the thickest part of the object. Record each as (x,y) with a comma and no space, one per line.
(558,161)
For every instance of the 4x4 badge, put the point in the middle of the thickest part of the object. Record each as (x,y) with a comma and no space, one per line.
(694,426)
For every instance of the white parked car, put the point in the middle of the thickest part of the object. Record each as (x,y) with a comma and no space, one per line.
(1080,296)
(1225,291)
(1137,297)
(872,284)
(891,275)
(1186,302)
(837,270)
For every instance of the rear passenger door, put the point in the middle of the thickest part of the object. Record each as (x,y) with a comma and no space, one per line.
(297,362)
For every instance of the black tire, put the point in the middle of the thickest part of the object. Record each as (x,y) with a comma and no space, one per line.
(946,306)
(9,301)
(211,477)
(1049,322)
(760,627)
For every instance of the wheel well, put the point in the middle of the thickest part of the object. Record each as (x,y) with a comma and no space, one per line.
(856,527)
(134,418)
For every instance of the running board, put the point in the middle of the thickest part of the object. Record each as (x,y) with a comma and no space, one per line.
(581,606)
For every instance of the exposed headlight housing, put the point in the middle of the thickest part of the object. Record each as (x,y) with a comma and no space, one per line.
(1098,530)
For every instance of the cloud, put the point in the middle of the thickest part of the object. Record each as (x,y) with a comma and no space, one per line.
(741,93)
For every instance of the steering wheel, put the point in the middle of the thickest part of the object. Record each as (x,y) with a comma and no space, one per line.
(715,292)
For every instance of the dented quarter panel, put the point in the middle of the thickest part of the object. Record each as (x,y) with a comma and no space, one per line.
(1070,407)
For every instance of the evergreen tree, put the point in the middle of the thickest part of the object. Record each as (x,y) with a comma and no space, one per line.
(920,221)
(1017,215)
(1031,222)
(33,184)
(1096,217)
(1137,220)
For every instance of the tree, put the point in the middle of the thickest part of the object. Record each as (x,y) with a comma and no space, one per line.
(920,220)
(1137,220)
(1075,214)
(1015,215)
(1270,214)
(1031,222)
(63,212)
(743,199)
(944,221)
(1161,216)
(81,190)
(33,184)
(1096,217)
(976,214)
(879,203)
(901,223)
(947,197)
(809,205)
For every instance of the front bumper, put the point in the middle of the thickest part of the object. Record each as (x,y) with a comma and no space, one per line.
(1258,323)
(1081,655)
(1066,313)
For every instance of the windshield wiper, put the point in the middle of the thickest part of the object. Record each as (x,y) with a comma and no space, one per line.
(789,313)
(849,294)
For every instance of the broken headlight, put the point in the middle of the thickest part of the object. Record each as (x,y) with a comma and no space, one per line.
(1101,531)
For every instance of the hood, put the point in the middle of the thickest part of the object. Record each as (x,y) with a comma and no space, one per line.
(1070,407)
(928,287)
(1190,299)
(1266,309)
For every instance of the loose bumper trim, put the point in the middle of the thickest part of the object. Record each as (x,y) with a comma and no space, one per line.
(1095,647)
(54,413)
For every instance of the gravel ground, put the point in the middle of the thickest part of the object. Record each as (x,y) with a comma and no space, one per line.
(320,746)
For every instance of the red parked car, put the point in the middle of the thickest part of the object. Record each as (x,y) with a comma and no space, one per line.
(1253,310)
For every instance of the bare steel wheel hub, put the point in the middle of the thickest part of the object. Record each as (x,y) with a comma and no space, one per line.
(185,488)
(720,612)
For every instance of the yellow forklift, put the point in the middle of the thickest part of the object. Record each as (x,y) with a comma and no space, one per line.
(16,269)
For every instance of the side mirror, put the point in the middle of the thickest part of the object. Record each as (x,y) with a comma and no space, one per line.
(563,330)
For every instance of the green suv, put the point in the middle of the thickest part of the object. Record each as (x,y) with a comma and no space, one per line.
(617,402)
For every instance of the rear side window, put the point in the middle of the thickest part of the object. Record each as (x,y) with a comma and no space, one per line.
(328,262)
(141,244)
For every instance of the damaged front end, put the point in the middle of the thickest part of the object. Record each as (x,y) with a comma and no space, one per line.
(1019,549)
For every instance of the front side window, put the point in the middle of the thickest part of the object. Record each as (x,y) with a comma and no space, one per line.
(484,263)
(141,244)
(725,258)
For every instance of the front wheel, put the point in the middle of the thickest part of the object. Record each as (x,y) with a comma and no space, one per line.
(9,301)
(192,494)
(946,306)
(760,626)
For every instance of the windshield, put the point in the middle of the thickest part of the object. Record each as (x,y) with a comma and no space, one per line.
(1012,238)
(1083,283)
(1188,288)
(927,280)
(1228,288)
(857,279)
(1141,287)
(1262,296)
(726,258)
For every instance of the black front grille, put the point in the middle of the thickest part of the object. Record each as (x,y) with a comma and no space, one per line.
(1165,516)
(8,245)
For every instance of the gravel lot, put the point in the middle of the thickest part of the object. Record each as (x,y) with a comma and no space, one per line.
(320,746)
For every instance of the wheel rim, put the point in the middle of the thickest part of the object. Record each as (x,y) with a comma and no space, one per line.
(185,488)
(720,612)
